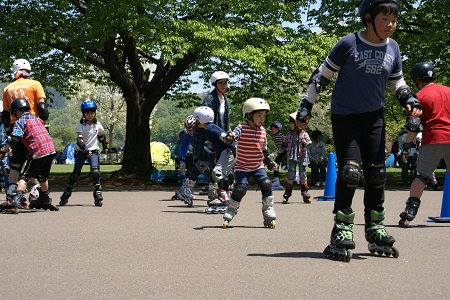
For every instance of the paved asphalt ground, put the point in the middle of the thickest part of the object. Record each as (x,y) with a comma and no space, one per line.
(143,245)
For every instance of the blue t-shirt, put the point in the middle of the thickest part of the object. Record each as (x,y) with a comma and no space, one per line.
(364,69)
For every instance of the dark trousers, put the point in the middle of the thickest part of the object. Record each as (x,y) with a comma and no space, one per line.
(360,138)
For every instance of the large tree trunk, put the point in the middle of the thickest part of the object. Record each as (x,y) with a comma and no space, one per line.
(137,157)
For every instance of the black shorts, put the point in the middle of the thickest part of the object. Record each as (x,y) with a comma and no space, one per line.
(19,154)
(39,167)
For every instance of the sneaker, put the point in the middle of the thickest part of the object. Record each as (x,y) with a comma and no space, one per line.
(317,183)
(276,185)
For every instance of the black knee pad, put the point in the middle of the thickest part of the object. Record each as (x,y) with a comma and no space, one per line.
(239,192)
(422,178)
(377,176)
(95,173)
(265,185)
(41,179)
(74,176)
(351,174)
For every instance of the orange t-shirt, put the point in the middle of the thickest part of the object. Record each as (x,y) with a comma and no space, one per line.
(26,88)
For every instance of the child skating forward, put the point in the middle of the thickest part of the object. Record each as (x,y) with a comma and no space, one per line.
(252,154)
(295,143)
(367,62)
(30,130)
(89,130)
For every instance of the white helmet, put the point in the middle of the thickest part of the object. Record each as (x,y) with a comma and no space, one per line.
(204,114)
(217,76)
(253,104)
(20,64)
(293,115)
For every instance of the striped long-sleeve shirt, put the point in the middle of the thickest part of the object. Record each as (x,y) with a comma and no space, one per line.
(250,145)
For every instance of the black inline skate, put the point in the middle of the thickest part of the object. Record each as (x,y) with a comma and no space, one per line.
(341,240)
(410,212)
(97,193)
(305,193)
(287,193)
(379,241)
(64,199)
(43,202)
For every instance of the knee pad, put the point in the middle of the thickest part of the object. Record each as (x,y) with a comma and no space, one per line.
(217,174)
(74,176)
(422,178)
(41,179)
(95,173)
(17,168)
(377,176)
(231,177)
(202,166)
(351,174)
(265,185)
(239,192)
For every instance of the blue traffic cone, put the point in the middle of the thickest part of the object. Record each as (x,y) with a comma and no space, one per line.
(445,209)
(330,184)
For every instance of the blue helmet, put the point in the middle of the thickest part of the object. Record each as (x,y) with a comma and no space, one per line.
(88,105)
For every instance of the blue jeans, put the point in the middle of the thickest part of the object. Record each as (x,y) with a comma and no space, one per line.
(258,175)
(80,158)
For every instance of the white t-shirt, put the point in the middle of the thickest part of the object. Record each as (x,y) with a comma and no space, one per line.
(89,133)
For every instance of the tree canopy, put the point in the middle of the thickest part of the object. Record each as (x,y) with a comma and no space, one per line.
(148,49)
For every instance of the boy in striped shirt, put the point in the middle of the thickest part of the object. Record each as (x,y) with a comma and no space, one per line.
(251,156)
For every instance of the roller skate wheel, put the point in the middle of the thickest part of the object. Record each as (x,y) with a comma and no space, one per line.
(225,224)
(285,200)
(99,203)
(403,223)
(272,224)
(395,251)
(174,197)
(348,257)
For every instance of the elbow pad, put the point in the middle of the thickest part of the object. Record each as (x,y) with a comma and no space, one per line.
(13,140)
(320,82)
(80,143)
(6,118)
(405,96)
(304,110)
(43,111)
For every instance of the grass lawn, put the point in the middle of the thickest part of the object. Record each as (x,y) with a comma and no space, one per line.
(60,173)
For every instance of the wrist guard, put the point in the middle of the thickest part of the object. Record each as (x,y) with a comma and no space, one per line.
(406,96)
(304,110)
(80,143)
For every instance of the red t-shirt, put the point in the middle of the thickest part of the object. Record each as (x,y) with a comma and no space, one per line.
(435,100)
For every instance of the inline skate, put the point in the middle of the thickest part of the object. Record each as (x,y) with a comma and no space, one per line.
(341,240)
(97,193)
(379,241)
(276,185)
(287,192)
(230,212)
(13,203)
(43,202)
(186,192)
(218,205)
(268,212)
(410,212)
(66,195)
(305,193)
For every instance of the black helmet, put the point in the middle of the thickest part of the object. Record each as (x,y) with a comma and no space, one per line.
(367,6)
(19,104)
(423,70)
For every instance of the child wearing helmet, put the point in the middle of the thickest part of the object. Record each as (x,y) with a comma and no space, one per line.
(88,131)
(251,156)
(367,62)
(210,143)
(278,138)
(218,101)
(435,118)
(295,144)
(35,137)
(24,87)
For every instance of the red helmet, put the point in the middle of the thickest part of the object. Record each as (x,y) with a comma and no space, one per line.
(189,122)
